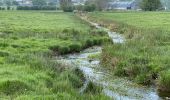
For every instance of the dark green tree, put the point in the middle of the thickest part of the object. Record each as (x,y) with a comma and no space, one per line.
(66,5)
(1,3)
(15,3)
(39,2)
(8,2)
(151,5)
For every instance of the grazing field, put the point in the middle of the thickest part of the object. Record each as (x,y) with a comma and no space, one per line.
(28,40)
(146,20)
(145,55)
(41,22)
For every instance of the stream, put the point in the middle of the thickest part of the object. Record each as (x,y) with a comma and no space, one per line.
(114,87)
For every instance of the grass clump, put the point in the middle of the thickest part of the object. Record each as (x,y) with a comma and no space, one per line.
(3,53)
(75,47)
(93,88)
(11,87)
(164,81)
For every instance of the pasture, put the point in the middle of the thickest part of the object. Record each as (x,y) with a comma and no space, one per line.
(29,41)
(144,57)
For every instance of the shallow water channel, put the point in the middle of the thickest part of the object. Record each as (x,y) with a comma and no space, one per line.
(114,87)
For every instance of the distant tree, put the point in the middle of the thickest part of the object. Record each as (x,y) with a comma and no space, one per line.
(8,2)
(51,3)
(66,5)
(99,4)
(39,2)
(89,7)
(15,3)
(1,3)
(166,4)
(151,5)
(79,7)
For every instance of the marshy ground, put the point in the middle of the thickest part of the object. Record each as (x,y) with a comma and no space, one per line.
(30,41)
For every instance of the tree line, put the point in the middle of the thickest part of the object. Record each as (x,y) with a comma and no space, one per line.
(90,5)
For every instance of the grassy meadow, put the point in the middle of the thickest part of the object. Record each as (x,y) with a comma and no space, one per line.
(28,42)
(144,57)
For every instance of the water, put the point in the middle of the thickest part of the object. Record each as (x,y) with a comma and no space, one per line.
(114,87)
(116,38)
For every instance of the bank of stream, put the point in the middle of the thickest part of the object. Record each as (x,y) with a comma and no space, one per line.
(114,87)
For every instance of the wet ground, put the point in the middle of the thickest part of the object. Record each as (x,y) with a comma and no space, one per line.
(114,87)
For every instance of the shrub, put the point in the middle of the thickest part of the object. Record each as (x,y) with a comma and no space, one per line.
(89,8)
(8,8)
(68,9)
(36,8)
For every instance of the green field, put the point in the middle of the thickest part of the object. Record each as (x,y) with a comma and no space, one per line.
(38,22)
(28,42)
(146,20)
(145,55)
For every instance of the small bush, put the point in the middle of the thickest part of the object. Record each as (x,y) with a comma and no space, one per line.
(90,8)
(8,8)
(36,8)
(68,9)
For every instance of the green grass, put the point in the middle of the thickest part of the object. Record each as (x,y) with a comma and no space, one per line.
(28,42)
(146,20)
(38,22)
(145,55)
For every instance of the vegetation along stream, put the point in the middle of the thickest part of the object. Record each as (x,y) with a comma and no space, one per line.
(116,88)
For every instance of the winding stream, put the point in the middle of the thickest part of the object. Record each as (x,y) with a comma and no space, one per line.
(114,87)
